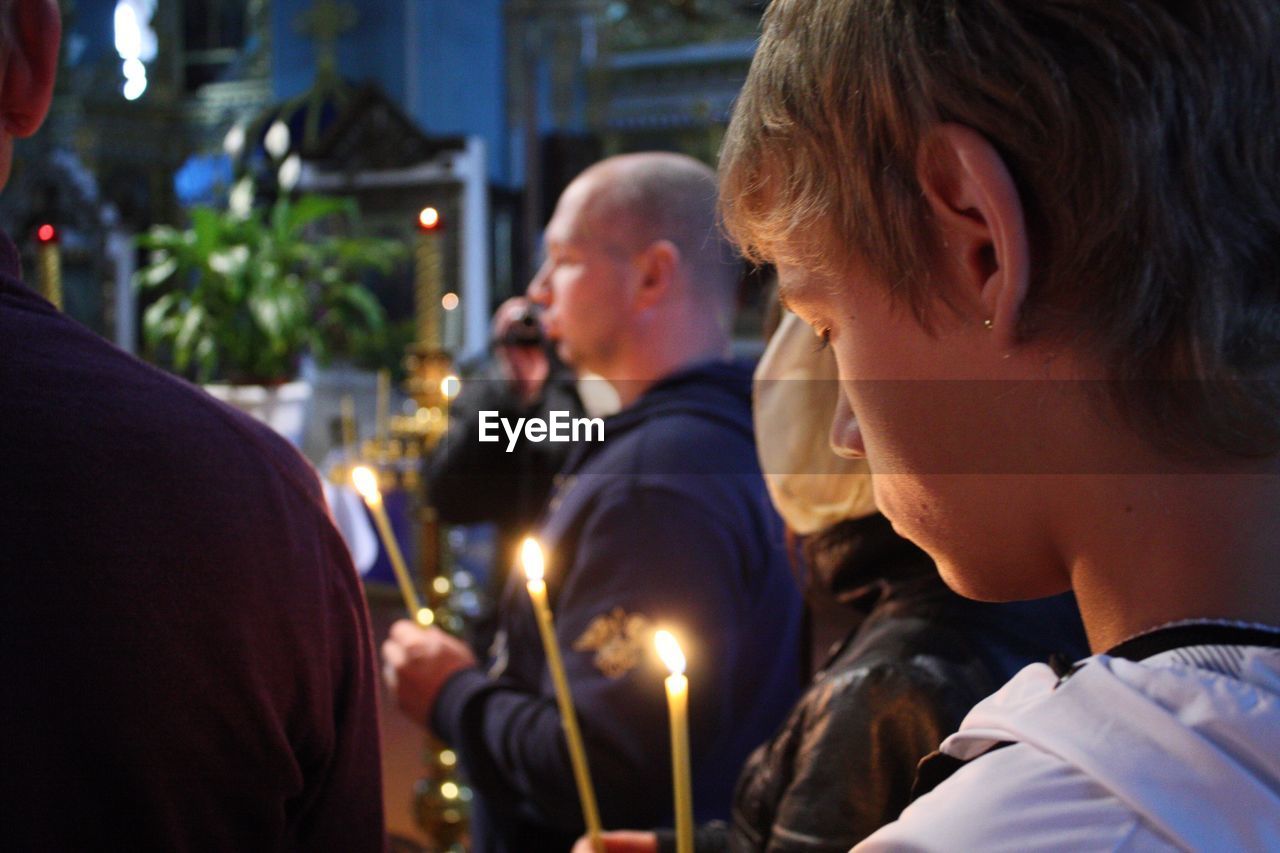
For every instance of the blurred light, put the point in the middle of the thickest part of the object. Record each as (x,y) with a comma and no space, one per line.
(531,559)
(128,32)
(46,233)
(449,301)
(134,36)
(441,586)
(135,43)
(449,791)
(426,616)
(429,219)
(134,69)
(450,386)
(366,483)
(448,757)
(134,87)
(669,651)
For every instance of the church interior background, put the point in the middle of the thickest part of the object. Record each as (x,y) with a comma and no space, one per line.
(320,134)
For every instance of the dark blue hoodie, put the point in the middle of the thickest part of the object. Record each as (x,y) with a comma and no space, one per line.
(664,524)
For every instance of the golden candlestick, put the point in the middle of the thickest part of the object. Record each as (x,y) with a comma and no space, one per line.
(678,711)
(532,560)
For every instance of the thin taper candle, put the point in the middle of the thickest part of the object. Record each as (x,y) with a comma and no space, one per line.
(678,711)
(382,412)
(532,561)
(366,483)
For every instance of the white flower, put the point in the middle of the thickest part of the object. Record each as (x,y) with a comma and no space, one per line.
(277,139)
(240,202)
(290,171)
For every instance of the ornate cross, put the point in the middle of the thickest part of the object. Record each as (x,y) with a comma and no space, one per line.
(324,22)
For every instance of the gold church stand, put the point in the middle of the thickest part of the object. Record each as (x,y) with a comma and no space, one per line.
(401,443)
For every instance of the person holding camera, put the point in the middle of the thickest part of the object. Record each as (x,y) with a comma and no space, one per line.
(474,482)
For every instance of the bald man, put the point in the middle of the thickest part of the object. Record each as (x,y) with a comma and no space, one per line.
(663,524)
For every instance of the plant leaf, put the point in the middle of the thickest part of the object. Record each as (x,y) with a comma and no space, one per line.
(184,340)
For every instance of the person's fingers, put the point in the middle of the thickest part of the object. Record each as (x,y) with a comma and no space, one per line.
(625,841)
(507,313)
(407,633)
(393,653)
(389,676)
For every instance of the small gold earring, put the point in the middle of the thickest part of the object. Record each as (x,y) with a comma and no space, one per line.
(988,324)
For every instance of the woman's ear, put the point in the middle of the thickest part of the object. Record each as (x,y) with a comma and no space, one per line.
(658,263)
(30,65)
(981,229)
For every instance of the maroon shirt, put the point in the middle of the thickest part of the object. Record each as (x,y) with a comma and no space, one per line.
(185,655)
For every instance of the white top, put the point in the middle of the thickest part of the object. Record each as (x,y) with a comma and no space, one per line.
(1181,751)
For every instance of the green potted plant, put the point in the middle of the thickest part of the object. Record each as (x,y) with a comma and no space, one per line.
(244,293)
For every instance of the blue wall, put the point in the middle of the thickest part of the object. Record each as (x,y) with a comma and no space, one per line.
(461,74)
(442,61)
(89,34)
(373,50)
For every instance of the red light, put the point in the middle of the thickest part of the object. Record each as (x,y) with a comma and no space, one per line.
(429,219)
(46,233)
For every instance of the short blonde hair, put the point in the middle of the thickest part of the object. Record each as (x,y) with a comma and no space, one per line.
(1142,137)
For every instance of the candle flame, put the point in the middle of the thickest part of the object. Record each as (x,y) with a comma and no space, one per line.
(669,651)
(531,559)
(366,484)
(450,386)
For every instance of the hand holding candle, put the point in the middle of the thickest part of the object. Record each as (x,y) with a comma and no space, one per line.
(678,709)
(532,560)
(366,483)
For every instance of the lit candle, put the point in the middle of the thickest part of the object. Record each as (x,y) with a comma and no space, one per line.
(531,559)
(428,276)
(366,483)
(49,261)
(678,710)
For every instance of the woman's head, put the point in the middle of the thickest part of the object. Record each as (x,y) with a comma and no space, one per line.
(793,400)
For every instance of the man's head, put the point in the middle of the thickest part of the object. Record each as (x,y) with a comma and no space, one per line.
(637,272)
(29,34)
(1139,139)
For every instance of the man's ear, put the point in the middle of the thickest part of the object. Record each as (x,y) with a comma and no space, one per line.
(30,65)
(981,229)
(657,263)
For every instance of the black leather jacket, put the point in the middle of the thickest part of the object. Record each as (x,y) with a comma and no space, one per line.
(843,763)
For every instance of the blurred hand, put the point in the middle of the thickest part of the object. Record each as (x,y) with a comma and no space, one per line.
(621,842)
(416,664)
(525,367)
